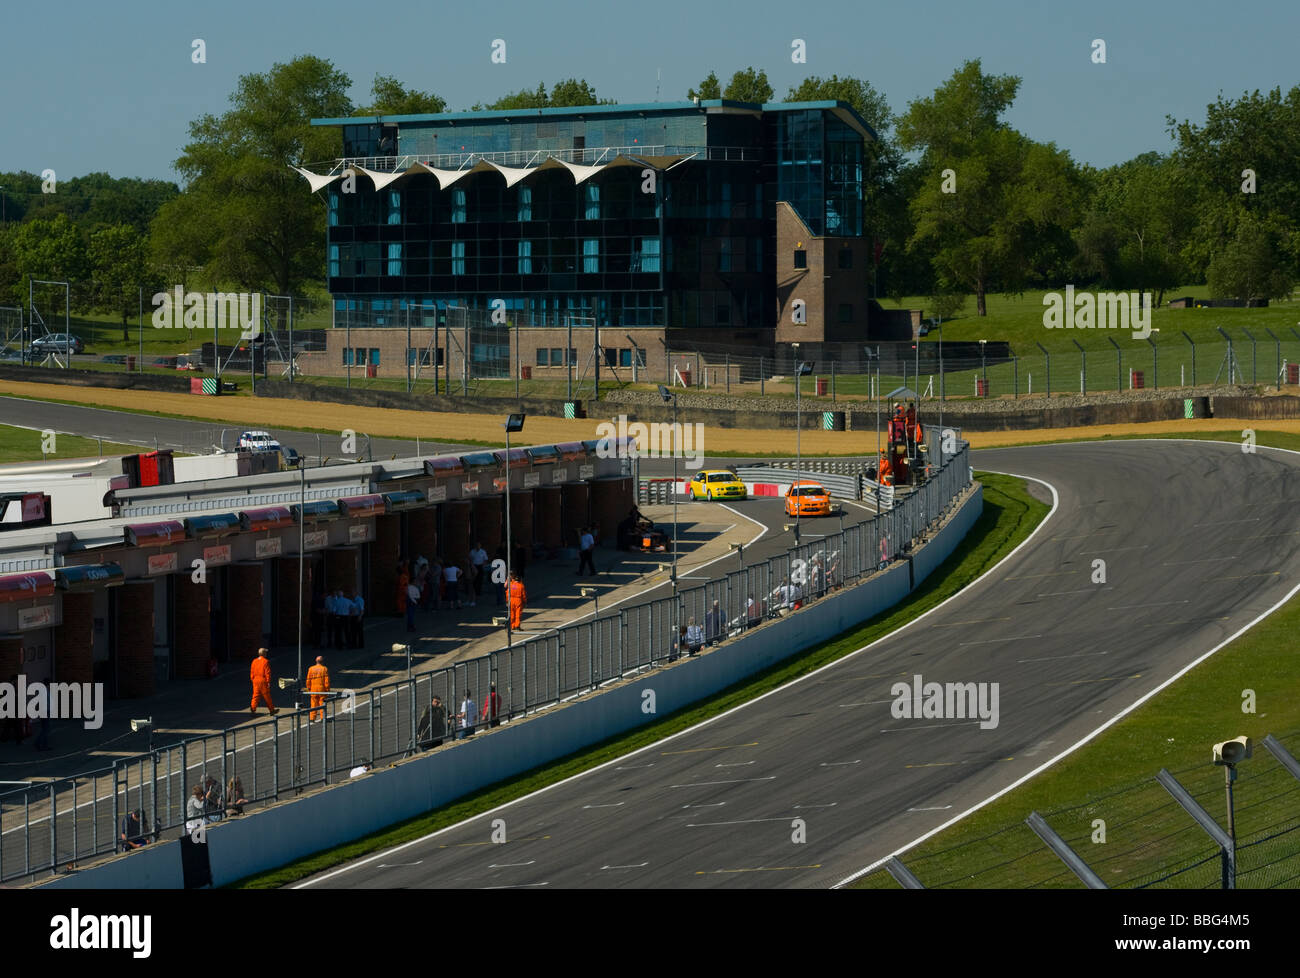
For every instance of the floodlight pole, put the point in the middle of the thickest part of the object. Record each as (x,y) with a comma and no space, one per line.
(302,517)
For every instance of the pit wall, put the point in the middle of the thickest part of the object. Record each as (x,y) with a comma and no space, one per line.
(348,811)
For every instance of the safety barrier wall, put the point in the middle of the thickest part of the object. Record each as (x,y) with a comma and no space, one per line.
(72,819)
(241,847)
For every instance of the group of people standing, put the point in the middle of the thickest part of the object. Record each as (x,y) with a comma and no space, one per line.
(340,620)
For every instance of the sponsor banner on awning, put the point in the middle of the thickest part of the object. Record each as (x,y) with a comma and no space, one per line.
(586,471)
(500,484)
(163,564)
(17,587)
(469,489)
(270,547)
(216,556)
(41,616)
(437,494)
(360,533)
(559,475)
(86,577)
(316,540)
(532,479)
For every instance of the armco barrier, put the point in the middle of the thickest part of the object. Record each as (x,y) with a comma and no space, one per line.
(273,837)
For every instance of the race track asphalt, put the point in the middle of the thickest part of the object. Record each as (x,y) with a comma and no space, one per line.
(1198,539)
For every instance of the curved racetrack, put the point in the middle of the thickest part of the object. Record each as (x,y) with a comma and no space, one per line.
(1199,539)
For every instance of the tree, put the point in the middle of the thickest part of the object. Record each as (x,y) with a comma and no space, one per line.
(748,85)
(568,93)
(992,204)
(865,100)
(1253,263)
(51,249)
(119,261)
(710,88)
(264,230)
(391,98)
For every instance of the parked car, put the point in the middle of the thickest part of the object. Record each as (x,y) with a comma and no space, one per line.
(58,343)
(258,441)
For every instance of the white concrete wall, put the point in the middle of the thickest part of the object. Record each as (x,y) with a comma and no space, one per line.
(260,841)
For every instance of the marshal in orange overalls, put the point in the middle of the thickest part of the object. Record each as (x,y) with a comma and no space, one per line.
(318,681)
(260,674)
(518,598)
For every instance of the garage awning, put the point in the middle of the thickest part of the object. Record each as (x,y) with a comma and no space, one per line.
(87,577)
(19,587)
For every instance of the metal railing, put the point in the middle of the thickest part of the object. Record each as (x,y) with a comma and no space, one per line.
(526,158)
(51,825)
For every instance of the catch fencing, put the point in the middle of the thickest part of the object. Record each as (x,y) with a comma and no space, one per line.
(51,825)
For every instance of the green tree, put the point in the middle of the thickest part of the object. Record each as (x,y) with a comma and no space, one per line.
(993,205)
(119,264)
(710,88)
(748,85)
(1253,263)
(52,249)
(568,93)
(264,229)
(391,98)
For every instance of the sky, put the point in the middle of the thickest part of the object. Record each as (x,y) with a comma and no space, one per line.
(112,87)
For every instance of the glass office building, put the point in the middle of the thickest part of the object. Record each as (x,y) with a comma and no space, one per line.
(657,215)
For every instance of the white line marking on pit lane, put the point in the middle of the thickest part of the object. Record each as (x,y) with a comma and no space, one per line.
(711,804)
(617,804)
(1075,655)
(396,865)
(1054,594)
(931,726)
(701,784)
(1113,550)
(840,763)
(937,808)
(632,866)
(511,865)
(867,703)
(828,805)
(630,767)
(735,763)
(515,886)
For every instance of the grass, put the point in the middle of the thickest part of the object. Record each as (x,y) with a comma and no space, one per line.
(22,445)
(1274,439)
(1111,779)
(1010,514)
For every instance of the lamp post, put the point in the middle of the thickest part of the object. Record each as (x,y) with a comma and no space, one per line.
(669,395)
(514,422)
(802,370)
(984,367)
(302,519)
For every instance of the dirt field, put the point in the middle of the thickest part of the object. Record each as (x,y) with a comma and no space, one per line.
(383,422)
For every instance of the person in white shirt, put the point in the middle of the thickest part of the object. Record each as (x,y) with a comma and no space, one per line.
(753,614)
(478,557)
(468,711)
(586,548)
(412,601)
(451,574)
(694,637)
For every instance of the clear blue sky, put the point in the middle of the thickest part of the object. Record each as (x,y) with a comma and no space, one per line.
(111,87)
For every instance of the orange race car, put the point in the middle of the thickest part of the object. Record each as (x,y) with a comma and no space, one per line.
(807,498)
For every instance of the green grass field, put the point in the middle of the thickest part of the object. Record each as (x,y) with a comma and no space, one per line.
(1010,515)
(22,445)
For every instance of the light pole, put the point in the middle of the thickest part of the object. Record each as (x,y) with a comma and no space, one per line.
(514,422)
(667,396)
(938,324)
(984,367)
(802,370)
(302,518)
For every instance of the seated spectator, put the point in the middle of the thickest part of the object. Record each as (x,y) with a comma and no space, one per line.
(235,800)
(753,613)
(212,802)
(195,810)
(132,831)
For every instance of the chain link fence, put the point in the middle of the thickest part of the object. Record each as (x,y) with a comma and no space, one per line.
(53,824)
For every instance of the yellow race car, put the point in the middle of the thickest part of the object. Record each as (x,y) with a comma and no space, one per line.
(716,484)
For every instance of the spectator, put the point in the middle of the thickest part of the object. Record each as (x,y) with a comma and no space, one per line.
(213,806)
(412,602)
(492,708)
(478,562)
(679,643)
(433,725)
(468,710)
(694,637)
(235,800)
(360,769)
(586,548)
(715,626)
(434,596)
(132,832)
(195,810)
(518,599)
(753,613)
(340,618)
(318,684)
(451,574)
